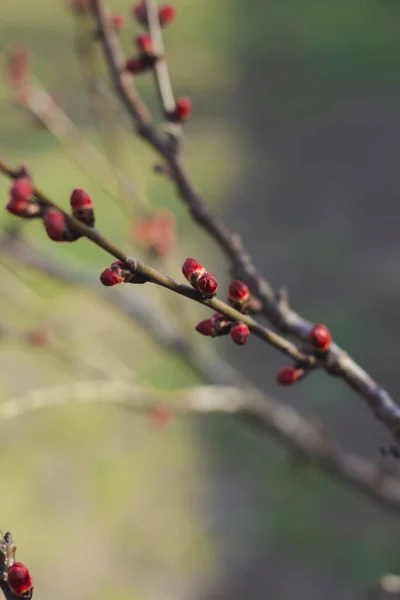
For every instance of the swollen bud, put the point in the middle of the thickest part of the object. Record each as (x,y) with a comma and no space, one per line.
(21,189)
(320,338)
(82,207)
(238,295)
(289,375)
(19,580)
(167,14)
(207,285)
(240,334)
(192,270)
(182,111)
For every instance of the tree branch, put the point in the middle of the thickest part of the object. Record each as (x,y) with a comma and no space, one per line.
(286,320)
(265,415)
(150,274)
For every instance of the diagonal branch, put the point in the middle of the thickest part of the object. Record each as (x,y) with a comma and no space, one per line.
(282,316)
(265,415)
(149,274)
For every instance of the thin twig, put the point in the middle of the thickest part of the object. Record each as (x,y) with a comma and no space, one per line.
(158,325)
(286,320)
(150,274)
(261,412)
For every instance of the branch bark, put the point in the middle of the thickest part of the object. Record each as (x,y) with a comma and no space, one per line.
(263,414)
(338,363)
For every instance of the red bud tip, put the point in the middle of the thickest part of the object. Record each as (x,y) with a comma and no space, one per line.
(38,337)
(238,294)
(206,327)
(207,285)
(288,375)
(135,65)
(17,207)
(21,189)
(19,579)
(320,338)
(160,416)
(183,110)
(118,22)
(54,223)
(167,14)
(80,200)
(240,334)
(139,11)
(144,43)
(110,277)
(192,270)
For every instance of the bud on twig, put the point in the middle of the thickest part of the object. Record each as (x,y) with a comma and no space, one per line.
(57,227)
(238,295)
(289,375)
(19,580)
(240,334)
(182,111)
(192,270)
(167,14)
(320,338)
(215,326)
(82,207)
(207,285)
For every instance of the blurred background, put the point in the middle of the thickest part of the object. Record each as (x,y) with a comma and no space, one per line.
(294,141)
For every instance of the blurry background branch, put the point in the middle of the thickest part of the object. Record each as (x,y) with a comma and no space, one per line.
(265,415)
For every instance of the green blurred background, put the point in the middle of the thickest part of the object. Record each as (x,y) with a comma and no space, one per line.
(295,141)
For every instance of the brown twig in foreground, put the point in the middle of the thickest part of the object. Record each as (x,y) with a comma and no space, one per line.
(149,274)
(265,415)
(337,362)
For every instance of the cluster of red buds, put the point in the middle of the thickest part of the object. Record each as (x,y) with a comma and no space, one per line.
(119,272)
(166,14)
(238,297)
(21,203)
(24,204)
(320,339)
(14,574)
(156,233)
(147,57)
(199,278)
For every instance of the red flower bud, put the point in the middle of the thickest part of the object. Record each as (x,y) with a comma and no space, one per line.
(38,337)
(320,338)
(167,14)
(183,110)
(110,277)
(24,208)
(137,65)
(206,327)
(288,375)
(21,189)
(19,579)
(80,200)
(82,207)
(139,12)
(238,294)
(240,334)
(118,22)
(144,43)
(192,270)
(207,285)
(160,416)
(55,225)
